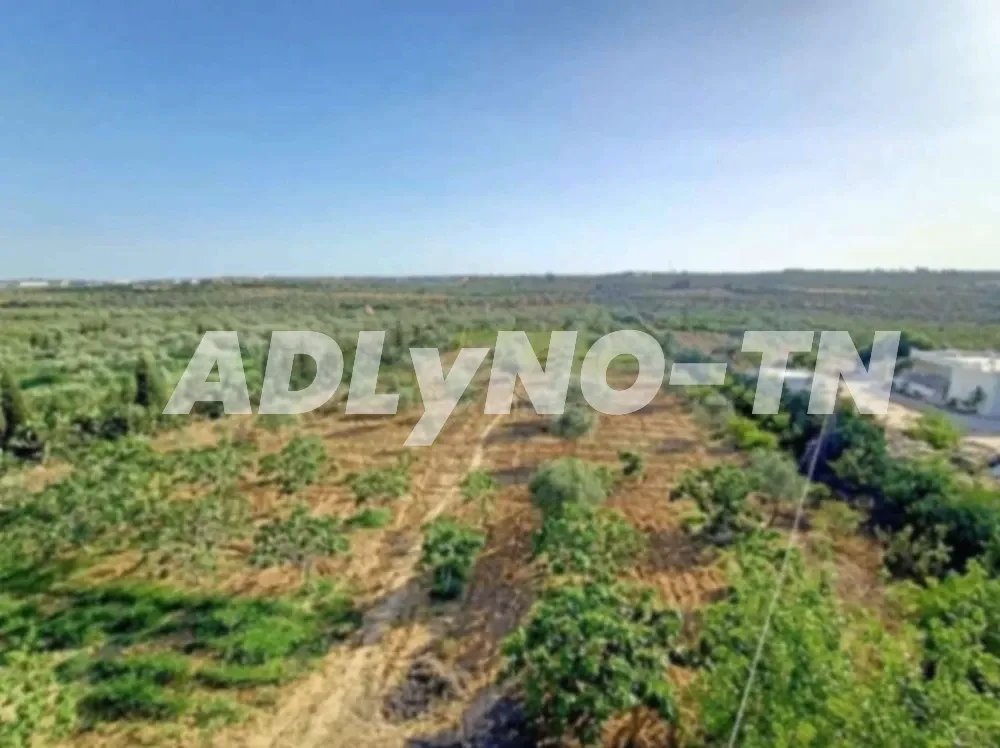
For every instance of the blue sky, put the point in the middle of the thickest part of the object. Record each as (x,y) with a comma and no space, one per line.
(142,139)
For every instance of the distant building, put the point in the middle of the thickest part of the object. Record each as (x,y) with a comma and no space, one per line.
(964,380)
(33,284)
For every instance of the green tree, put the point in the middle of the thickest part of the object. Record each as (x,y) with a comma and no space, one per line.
(776,479)
(721,494)
(449,554)
(801,666)
(565,481)
(150,390)
(12,408)
(586,540)
(573,423)
(591,653)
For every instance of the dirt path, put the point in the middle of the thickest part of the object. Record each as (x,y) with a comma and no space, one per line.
(340,706)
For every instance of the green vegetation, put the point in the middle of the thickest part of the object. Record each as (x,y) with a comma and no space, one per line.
(297,465)
(85,373)
(298,539)
(826,678)
(590,653)
(370,518)
(633,464)
(569,481)
(721,493)
(381,484)
(582,540)
(157,630)
(449,555)
(481,487)
(936,429)
(574,422)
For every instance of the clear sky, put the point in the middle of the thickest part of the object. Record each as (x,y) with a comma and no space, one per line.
(183,137)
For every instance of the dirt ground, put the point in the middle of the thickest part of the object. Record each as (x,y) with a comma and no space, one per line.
(362,693)
(343,703)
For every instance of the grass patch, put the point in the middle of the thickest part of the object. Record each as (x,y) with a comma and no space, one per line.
(245,676)
(130,698)
(370,518)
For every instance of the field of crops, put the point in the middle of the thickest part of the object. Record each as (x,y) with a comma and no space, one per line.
(307,581)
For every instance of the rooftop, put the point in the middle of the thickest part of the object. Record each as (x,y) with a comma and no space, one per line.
(979,360)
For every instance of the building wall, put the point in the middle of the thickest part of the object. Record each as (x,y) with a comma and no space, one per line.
(964,383)
(992,407)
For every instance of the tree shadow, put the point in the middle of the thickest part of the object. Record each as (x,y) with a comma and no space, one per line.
(515,432)
(676,445)
(515,475)
(492,720)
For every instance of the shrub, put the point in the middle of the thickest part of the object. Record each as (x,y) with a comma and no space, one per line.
(573,423)
(161,669)
(589,654)
(477,484)
(297,465)
(720,493)
(776,479)
(746,435)
(936,429)
(633,464)
(837,519)
(713,411)
(130,698)
(298,539)
(272,673)
(919,557)
(449,553)
(385,483)
(568,481)
(480,486)
(584,540)
(35,709)
(371,518)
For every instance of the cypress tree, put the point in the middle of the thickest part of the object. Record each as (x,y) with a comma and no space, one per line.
(13,411)
(150,391)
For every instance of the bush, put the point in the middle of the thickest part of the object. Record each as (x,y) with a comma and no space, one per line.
(161,669)
(746,435)
(936,429)
(297,465)
(713,411)
(298,539)
(568,481)
(449,554)
(919,557)
(584,540)
(272,673)
(776,479)
(386,483)
(35,708)
(720,493)
(480,486)
(573,423)
(633,464)
(589,654)
(130,698)
(371,518)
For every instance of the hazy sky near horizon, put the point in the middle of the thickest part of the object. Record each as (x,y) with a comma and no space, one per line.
(143,139)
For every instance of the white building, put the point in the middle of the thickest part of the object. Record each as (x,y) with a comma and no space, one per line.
(964,380)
